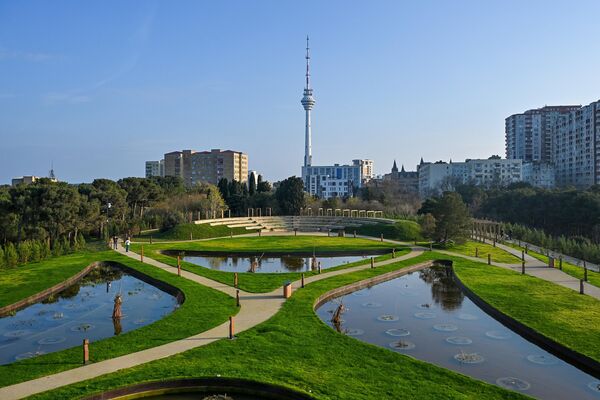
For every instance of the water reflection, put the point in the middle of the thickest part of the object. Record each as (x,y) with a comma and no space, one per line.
(425,315)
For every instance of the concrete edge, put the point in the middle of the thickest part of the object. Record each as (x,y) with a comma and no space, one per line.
(229,385)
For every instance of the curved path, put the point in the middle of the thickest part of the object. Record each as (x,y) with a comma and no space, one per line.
(255,308)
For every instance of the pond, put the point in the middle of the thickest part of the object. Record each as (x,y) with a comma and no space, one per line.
(426,315)
(273,262)
(82,311)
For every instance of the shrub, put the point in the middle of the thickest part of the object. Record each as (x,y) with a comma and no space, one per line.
(36,251)
(2,260)
(24,252)
(45,250)
(10,255)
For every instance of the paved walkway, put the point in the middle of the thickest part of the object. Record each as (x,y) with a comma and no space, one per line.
(255,309)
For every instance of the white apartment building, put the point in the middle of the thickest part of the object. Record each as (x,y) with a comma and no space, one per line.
(367,169)
(539,174)
(155,168)
(439,176)
(332,181)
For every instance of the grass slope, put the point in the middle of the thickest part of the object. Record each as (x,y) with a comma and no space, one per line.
(498,255)
(197,231)
(402,230)
(263,282)
(557,312)
(296,349)
(202,309)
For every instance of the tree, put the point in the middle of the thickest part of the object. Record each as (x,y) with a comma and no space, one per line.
(252,184)
(263,186)
(452,218)
(10,255)
(428,226)
(290,196)
(2,259)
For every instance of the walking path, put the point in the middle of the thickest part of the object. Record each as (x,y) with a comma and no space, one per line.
(255,309)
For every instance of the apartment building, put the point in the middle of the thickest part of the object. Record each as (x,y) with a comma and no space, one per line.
(155,168)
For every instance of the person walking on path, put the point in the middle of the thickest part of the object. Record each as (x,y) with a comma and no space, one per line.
(127,244)
(115,242)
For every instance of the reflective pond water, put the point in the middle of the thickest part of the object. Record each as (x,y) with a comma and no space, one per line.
(82,311)
(425,315)
(203,396)
(273,263)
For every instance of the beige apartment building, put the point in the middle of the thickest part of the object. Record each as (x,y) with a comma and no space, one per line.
(207,166)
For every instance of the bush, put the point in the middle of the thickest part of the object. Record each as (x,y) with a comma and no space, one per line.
(24,252)
(2,260)
(10,255)
(36,251)
(401,230)
(44,250)
(170,220)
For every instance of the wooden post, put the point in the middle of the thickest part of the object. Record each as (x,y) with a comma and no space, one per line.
(494,242)
(142,254)
(581,291)
(381,238)
(259,232)
(231,328)
(489,259)
(231,233)
(522,255)
(430,246)
(178,265)
(237,297)
(372,262)
(585,278)
(295,231)
(476,251)
(526,249)
(302,280)
(150,239)
(86,351)
(319,266)
(235,279)
(522,267)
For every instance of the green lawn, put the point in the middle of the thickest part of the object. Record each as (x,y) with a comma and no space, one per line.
(568,268)
(29,279)
(297,350)
(263,282)
(401,230)
(498,255)
(197,231)
(202,309)
(555,311)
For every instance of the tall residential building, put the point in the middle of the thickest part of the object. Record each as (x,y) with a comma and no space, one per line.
(564,137)
(174,164)
(155,168)
(439,176)
(212,166)
(367,169)
(528,136)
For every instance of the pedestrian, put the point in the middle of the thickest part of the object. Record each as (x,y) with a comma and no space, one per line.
(115,242)
(127,244)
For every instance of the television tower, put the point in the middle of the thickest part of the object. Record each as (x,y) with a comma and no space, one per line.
(308,101)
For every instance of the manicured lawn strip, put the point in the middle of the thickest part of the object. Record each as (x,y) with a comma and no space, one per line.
(402,230)
(557,312)
(263,282)
(202,309)
(296,349)
(198,231)
(498,255)
(21,282)
(568,268)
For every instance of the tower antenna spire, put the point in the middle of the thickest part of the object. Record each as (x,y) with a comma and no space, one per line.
(308,102)
(307,63)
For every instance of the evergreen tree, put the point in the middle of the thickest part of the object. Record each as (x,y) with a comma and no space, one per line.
(290,196)
(453,221)
(252,184)
(10,255)
(2,258)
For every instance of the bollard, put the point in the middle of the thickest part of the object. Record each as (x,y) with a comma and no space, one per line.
(430,246)
(231,233)
(489,259)
(581,291)
(142,254)
(494,242)
(519,243)
(381,238)
(560,263)
(354,234)
(235,279)
(319,266)
(372,262)
(191,236)
(179,265)
(526,249)
(476,251)
(150,239)
(237,297)
(585,272)
(295,231)
(86,351)
(231,328)
(522,255)
(328,232)
(302,280)
(522,267)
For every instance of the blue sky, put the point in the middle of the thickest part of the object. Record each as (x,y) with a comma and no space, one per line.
(97,88)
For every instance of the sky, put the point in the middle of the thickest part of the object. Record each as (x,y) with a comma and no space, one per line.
(95,88)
